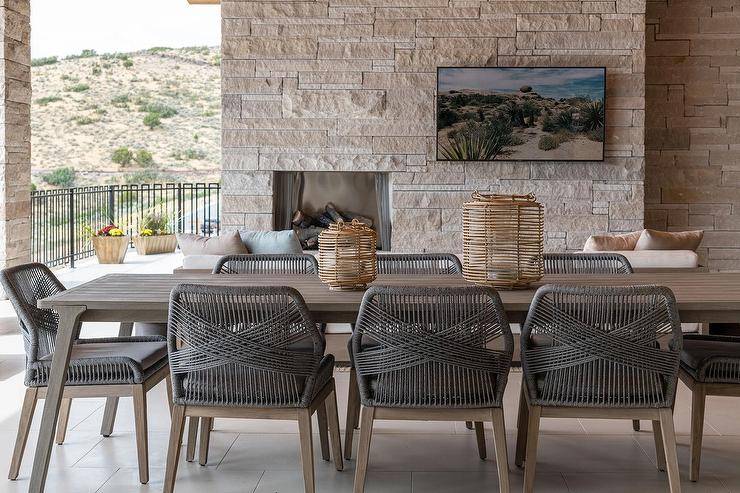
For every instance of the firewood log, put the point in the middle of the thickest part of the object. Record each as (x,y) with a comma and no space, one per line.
(363,219)
(304,234)
(334,213)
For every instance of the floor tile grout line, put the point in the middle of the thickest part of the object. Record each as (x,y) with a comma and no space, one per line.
(228,450)
(567,486)
(258,481)
(654,462)
(108,479)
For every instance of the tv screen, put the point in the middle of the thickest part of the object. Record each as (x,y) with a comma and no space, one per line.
(520,114)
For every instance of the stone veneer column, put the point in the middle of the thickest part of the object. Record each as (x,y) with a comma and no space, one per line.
(15,133)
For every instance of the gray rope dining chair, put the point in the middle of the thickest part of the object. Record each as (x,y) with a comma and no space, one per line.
(710,365)
(104,367)
(255,264)
(248,352)
(600,352)
(412,264)
(265,264)
(586,263)
(438,354)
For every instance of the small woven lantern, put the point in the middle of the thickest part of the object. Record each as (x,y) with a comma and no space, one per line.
(503,240)
(347,255)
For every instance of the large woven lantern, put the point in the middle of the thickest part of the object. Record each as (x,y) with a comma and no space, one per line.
(347,255)
(503,240)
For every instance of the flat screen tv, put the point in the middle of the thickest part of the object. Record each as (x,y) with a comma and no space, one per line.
(520,114)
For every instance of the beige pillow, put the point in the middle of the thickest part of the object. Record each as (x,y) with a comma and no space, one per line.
(229,243)
(663,240)
(611,243)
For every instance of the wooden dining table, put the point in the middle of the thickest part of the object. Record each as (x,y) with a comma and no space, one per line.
(701,297)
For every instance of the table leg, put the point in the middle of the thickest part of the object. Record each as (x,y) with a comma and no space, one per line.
(69,317)
(111,403)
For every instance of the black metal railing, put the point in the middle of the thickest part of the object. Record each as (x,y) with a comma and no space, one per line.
(59,217)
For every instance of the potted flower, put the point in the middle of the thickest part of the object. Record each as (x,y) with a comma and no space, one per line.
(155,235)
(110,244)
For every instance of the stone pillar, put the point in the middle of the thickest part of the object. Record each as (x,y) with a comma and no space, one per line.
(15,133)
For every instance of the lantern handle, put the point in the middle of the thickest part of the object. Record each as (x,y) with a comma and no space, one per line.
(495,197)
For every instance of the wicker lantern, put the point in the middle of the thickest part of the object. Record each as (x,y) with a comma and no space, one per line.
(347,255)
(503,240)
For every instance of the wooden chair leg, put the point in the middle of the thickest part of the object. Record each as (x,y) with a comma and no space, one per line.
(530,455)
(109,416)
(193,422)
(669,443)
(480,437)
(636,424)
(521,430)
(333,418)
(173,450)
(659,448)
(323,431)
(142,434)
(499,443)
(363,448)
(205,440)
(306,438)
(698,400)
(24,426)
(469,425)
(63,420)
(353,408)
(168,386)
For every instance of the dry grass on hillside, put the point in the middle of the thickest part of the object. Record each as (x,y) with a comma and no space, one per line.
(85,108)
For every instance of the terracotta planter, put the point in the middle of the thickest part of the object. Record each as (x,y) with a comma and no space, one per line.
(110,249)
(150,245)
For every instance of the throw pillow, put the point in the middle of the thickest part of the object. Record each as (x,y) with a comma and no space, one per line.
(228,243)
(611,243)
(663,240)
(271,241)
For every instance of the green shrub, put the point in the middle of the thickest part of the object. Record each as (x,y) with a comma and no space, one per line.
(128,63)
(77,88)
(548,142)
(596,134)
(60,177)
(158,49)
(47,99)
(592,115)
(143,176)
(84,120)
(565,120)
(96,70)
(188,154)
(152,120)
(477,142)
(83,54)
(144,157)
(446,118)
(162,110)
(40,62)
(549,124)
(120,101)
(122,156)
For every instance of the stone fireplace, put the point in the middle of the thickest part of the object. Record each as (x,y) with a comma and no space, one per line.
(350,86)
(308,201)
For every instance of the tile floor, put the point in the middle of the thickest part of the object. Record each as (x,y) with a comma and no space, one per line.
(262,456)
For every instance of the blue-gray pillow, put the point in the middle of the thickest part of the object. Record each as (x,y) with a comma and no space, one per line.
(271,241)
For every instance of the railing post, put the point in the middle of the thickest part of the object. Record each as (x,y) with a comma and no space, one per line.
(111,204)
(72,242)
(180,218)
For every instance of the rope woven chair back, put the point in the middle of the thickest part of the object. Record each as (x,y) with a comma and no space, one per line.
(242,346)
(586,263)
(431,347)
(600,346)
(419,264)
(267,264)
(25,285)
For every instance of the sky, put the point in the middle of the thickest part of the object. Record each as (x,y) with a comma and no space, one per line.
(547,82)
(61,28)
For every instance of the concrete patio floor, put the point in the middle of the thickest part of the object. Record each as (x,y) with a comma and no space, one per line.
(263,456)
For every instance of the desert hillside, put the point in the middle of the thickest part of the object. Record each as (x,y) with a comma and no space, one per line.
(126,118)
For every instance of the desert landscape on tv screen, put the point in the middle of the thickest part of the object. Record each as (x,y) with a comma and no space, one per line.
(504,114)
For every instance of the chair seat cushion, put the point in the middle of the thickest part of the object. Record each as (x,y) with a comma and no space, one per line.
(123,360)
(712,359)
